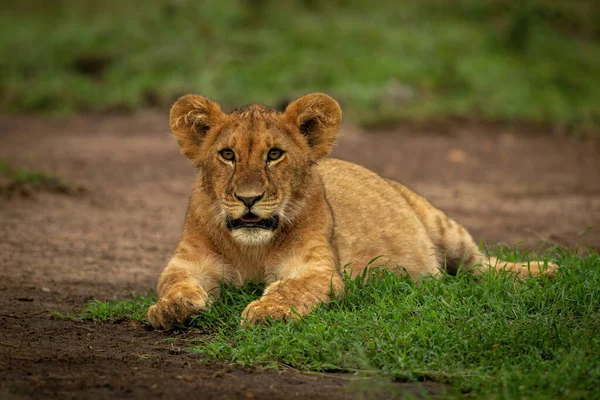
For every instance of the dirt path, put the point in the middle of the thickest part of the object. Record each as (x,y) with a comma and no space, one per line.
(58,251)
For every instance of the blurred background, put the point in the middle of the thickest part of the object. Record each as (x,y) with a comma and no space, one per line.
(488,108)
(534,61)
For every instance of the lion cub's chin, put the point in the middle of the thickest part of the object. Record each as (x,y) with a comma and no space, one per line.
(252,236)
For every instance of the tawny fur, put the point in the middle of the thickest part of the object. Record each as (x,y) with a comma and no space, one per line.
(334,215)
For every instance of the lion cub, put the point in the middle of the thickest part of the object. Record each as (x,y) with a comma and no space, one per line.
(268,206)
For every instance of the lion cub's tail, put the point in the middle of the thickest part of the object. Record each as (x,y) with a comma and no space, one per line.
(455,246)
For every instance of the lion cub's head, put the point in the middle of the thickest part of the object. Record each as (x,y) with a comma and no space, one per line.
(255,162)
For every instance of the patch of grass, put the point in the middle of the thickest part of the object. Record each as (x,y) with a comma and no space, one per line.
(533,60)
(25,176)
(535,338)
(134,309)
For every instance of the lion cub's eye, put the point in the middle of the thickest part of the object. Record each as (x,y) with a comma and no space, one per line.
(274,154)
(227,154)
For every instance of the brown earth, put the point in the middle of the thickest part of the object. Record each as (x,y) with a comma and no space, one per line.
(57,251)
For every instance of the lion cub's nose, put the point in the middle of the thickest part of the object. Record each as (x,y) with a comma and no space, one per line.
(249,201)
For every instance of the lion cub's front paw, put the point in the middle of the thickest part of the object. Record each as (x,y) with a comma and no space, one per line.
(260,310)
(176,307)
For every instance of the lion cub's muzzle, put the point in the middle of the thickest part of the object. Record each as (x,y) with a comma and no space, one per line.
(252,217)
(250,220)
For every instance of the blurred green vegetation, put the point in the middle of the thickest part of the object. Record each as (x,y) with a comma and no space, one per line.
(499,60)
(12,178)
(22,175)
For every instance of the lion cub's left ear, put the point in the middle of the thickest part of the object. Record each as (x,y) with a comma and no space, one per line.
(191,119)
(317,117)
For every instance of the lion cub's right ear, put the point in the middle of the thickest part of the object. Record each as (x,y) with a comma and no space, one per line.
(191,118)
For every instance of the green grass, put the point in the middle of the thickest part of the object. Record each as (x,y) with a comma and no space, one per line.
(19,176)
(533,60)
(134,309)
(495,337)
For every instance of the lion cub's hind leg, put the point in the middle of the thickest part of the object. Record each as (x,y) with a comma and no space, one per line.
(455,246)
(457,250)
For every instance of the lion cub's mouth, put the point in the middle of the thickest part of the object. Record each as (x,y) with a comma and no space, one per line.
(250,220)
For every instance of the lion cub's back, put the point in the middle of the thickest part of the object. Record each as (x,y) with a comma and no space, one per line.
(372,219)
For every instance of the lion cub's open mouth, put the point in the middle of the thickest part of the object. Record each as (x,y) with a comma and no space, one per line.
(253,221)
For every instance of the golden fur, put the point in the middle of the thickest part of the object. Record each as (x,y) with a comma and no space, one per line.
(329,214)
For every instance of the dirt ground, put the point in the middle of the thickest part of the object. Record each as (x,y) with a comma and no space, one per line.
(57,251)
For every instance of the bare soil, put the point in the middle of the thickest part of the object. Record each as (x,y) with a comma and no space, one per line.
(58,250)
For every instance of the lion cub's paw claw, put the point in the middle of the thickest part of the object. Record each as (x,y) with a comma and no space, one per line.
(259,311)
(176,308)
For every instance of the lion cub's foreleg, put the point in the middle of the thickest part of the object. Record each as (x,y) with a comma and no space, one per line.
(185,285)
(299,283)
